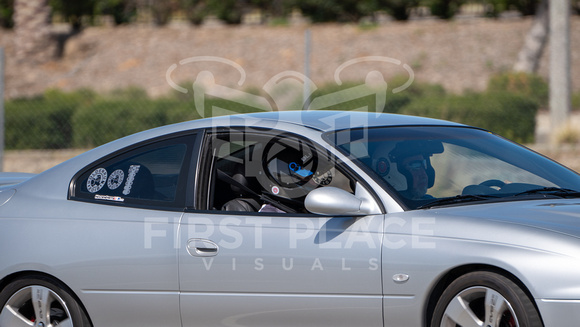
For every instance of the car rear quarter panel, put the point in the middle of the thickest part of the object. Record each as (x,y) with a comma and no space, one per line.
(100,252)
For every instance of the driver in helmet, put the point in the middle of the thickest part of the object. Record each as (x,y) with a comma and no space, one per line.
(416,167)
(413,162)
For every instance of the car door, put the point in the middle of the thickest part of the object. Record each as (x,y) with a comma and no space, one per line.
(131,203)
(271,263)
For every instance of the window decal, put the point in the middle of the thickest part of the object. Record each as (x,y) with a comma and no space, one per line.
(109,198)
(97,180)
(115,179)
(133,170)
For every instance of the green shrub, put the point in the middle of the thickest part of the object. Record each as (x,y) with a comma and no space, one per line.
(43,122)
(353,96)
(576,101)
(30,123)
(72,99)
(512,116)
(106,120)
(114,117)
(417,88)
(528,85)
(445,9)
(128,93)
(180,111)
(84,119)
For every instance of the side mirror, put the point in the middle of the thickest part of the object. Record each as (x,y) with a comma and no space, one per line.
(332,201)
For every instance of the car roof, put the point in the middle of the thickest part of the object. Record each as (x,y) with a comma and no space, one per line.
(326,120)
(297,121)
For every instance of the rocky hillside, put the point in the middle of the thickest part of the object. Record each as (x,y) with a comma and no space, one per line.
(460,55)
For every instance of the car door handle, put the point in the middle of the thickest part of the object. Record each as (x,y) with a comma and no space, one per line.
(199,247)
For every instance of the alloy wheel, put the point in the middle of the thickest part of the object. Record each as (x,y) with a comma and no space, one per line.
(36,306)
(479,306)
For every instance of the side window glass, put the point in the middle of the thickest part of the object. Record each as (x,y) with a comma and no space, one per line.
(268,173)
(148,175)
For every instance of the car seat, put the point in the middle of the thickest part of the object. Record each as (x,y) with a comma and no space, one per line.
(240,186)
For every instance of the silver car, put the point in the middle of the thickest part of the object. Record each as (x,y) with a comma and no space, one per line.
(306,218)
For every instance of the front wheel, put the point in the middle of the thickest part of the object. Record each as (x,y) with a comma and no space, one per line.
(41,302)
(485,299)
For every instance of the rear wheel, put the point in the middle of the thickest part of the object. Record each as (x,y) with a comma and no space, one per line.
(39,301)
(485,299)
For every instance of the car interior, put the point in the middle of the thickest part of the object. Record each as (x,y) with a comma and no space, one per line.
(243,177)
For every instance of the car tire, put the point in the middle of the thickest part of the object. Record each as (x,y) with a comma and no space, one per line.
(485,299)
(54,304)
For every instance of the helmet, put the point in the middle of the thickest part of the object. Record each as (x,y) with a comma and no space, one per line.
(387,161)
(410,148)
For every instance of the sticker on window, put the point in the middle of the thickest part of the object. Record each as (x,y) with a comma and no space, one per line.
(97,180)
(115,179)
(133,170)
(109,198)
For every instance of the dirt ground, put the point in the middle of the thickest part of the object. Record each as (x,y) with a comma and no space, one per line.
(36,161)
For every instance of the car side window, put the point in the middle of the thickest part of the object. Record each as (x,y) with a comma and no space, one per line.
(267,173)
(151,175)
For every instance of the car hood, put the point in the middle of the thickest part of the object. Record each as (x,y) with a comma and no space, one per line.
(560,216)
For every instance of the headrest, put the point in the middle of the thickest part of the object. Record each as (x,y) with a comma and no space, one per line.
(240,178)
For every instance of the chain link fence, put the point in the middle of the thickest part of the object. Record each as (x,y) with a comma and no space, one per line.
(83,119)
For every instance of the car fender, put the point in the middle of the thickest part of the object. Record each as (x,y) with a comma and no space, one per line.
(427,261)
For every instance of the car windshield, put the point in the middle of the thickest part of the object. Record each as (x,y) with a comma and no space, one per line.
(431,166)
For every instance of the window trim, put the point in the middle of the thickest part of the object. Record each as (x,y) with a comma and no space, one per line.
(184,196)
(202,188)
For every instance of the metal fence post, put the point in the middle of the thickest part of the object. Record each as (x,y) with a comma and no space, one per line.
(2,123)
(306,94)
(560,76)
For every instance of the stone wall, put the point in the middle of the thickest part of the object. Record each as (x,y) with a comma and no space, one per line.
(460,55)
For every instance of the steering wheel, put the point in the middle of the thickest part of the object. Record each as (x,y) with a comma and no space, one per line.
(289,162)
(493,183)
